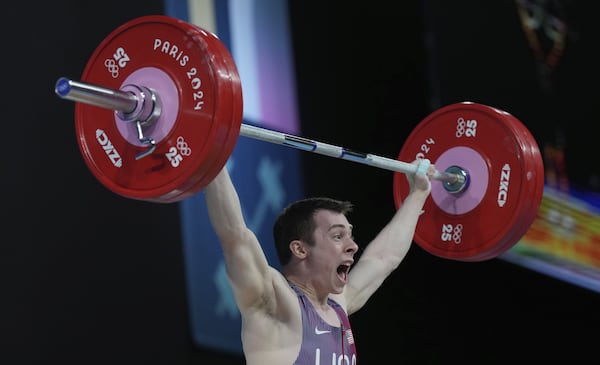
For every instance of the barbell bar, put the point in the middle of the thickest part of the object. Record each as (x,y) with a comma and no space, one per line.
(125,103)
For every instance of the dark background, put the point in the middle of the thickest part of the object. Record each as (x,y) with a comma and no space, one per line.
(88,277)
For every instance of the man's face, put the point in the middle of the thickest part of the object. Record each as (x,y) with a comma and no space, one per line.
(334,249)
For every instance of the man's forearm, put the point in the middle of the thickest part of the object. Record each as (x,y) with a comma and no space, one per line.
(224,207)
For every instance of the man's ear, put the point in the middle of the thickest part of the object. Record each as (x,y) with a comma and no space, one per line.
(298,249)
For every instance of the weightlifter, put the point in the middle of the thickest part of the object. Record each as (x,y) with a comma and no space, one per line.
(300,315)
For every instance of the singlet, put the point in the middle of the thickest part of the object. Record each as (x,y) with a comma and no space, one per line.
(322,343)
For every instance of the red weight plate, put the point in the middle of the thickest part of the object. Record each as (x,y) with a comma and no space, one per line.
(485,218)
(150,50)
(225,142)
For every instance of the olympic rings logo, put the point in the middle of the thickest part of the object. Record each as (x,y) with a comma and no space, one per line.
(457,233)
(460,127)
(183,147)
(112,67)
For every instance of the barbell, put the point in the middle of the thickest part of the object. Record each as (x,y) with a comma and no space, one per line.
(159,110)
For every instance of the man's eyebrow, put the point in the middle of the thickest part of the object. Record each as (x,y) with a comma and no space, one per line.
(340,226)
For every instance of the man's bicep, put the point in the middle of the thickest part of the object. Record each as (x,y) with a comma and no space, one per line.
(248,272)
(365,278)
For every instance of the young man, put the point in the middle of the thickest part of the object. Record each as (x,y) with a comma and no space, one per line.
(300,315)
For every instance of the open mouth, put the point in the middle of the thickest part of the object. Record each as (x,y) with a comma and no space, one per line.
(342,272)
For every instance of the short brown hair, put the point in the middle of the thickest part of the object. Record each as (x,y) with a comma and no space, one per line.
(295,222)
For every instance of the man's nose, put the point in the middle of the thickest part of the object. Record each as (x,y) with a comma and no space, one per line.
(352,247)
